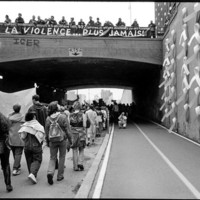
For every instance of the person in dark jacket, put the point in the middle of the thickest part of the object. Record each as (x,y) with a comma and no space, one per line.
(63,21)
(16,143)
(33,21)
(52,21)
(72,22)
(55,146)
(33,135)
(120,23)
(81,25)
(19,19)
(91,22)
(97,23)
(5,151)
(40,21)
(135,24)
(108,24)
(39,109)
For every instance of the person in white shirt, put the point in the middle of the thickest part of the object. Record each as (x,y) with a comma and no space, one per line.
(91,131)
(122,120)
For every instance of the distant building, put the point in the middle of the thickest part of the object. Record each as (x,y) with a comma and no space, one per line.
(127,97)
(164,11)
(106,95)
(82,98)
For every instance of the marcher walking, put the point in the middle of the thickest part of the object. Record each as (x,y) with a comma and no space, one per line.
(32,133)
(16,143)
(57,135)
(39,109)
(5,151)
(91,131)
(152,28)
(78,128)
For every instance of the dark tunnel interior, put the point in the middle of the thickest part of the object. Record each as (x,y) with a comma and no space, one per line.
(64,73)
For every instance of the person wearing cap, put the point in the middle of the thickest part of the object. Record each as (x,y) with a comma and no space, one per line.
(97,23)
(16,143)
(91,22)
(120,23)
(78,128)
(33,135)
(55,146)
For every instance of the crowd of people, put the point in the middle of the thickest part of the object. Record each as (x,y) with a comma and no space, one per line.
(60,128)
(81,23)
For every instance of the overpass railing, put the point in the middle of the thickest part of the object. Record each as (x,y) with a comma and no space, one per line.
(62,30)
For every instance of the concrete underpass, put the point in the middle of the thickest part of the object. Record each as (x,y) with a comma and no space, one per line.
(63,74)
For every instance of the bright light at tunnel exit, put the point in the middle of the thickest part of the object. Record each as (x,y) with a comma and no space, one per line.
(90,94)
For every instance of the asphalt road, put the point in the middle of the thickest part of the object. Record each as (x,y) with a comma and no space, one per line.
(67,188)
(150,162)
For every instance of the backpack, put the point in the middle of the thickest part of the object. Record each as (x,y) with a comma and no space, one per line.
(76,119)
(56,134)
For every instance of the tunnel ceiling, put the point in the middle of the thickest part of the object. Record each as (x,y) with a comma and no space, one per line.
(69,72)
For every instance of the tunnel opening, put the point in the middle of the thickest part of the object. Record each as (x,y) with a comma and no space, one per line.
(55,76)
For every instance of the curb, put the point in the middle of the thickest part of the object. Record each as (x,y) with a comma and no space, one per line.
(86,185)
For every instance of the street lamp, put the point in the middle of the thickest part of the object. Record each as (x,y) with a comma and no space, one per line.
(1,77)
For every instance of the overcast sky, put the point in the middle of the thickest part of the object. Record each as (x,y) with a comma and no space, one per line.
(142,11)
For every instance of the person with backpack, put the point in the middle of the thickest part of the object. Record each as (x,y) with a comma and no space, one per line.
(58,135)
(78,127)
(33,135)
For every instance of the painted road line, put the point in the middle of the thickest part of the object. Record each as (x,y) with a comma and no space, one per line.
(86,186)
(190,140)
(99,185)
(187,183)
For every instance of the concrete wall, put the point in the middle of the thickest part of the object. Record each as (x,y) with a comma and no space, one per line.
(187,120)
(21,47)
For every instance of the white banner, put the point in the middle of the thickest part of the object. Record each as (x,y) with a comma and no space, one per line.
(24,98)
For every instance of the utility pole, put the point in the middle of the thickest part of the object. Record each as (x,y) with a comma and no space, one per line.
(130,13)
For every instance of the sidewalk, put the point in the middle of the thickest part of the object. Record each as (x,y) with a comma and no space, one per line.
(68,188)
